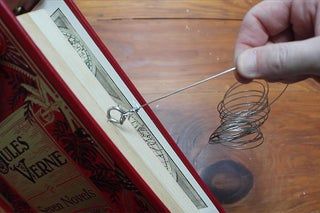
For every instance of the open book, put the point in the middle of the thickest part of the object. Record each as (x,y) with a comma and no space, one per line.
(63,161)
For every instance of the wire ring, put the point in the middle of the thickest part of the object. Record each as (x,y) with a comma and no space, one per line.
(122,118)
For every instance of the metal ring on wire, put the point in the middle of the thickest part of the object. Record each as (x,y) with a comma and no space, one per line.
(123,114)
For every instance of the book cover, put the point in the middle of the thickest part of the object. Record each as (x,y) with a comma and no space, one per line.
(49,160)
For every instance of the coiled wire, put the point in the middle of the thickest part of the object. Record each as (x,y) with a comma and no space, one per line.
(242,112)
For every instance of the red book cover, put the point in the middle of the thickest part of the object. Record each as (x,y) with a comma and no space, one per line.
(53,155)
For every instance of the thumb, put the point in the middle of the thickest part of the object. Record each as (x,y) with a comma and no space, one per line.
(281,60)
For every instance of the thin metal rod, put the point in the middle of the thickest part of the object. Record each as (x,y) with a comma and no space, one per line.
(184,88)
(125,114)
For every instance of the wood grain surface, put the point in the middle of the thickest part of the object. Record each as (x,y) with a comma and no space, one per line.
(163,45)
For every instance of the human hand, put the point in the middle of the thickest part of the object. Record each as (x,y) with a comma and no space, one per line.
(279,41)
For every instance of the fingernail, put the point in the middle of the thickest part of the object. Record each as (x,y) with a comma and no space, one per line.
(247,64)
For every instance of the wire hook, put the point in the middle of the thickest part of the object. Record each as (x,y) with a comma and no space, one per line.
(124,114)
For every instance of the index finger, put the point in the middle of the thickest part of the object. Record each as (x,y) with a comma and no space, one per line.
(265,20)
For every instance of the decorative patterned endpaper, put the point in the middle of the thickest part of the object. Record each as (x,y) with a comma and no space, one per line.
(114,91)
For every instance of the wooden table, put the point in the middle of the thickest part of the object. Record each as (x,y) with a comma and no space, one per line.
(164,45)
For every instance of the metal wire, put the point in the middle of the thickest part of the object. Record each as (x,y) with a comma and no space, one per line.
(242,112)
(124,114)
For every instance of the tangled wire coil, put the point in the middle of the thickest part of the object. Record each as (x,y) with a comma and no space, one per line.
(242,112)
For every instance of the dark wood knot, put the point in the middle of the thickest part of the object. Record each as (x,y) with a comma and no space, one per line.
(228,180)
